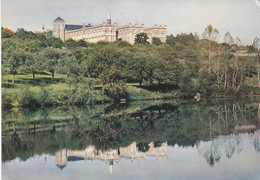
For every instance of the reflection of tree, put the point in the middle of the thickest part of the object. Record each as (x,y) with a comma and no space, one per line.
(257,145)
(143,147)
(230,148)
(229,145)
(108,126)
(210,151)
(256,141)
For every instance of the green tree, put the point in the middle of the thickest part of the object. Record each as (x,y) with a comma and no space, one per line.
(68,65)
(50,57)
(141,38)
(13,62)
(101,63)
(170,40)
(31,64)
(70,44)
(54,42)
(156,41)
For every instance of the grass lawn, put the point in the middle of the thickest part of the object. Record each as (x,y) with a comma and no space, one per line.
(59,91)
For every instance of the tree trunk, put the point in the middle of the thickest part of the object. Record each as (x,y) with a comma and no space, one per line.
(258,114)
(140,82)
(52,76)
(209,61)
(258,78)
(218,73)
(13,78)
(33,76)
(225,81)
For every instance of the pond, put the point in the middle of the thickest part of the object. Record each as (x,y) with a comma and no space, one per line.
(137,140)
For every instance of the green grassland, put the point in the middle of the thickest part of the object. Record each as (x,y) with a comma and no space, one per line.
(46,92)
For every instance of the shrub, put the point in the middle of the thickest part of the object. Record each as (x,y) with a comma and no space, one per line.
(85,93)
(25,97)
(115,91)
(6,101)
(43,97)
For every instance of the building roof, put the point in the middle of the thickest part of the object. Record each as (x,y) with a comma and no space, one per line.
(242,48)
(70,27)
(59,19)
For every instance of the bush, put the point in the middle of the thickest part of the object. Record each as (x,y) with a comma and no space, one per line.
(6,101)
(25,98)
(82,95)
(115,91)
(85,93)
(43,97)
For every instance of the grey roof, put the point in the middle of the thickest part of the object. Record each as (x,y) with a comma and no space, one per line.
(70,27)
(58,19)
(243,48)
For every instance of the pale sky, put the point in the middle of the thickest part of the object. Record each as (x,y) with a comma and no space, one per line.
(240,17)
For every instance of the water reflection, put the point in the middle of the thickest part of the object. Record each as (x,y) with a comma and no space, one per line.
(133,131)
(131,152)
(213,150)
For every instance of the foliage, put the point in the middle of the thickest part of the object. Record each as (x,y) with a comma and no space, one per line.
(6,33)
(6,100)
(85,93)
(156,41)
(184,65)
(25,97)
(141,38)
(116,91)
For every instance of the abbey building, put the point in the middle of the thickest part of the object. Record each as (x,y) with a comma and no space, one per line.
(106,31)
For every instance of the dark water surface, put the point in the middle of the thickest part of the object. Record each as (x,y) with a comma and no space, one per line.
(140,140)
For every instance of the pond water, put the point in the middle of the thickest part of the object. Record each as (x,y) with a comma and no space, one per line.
(138,140)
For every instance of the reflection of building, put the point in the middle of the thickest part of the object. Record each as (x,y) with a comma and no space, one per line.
(106,31)
(129,152)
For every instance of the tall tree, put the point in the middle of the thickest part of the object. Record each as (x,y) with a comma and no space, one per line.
(13,62)
(256,44)
(31,64)
(141,38)
(211,34)
(50,58)
(229,41)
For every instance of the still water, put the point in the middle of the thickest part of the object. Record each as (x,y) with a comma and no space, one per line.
(139,140)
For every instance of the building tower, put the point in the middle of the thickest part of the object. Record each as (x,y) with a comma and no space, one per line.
(108,17)
(59,28)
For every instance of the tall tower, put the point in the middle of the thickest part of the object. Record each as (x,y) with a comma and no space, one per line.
(108,17)
(59,28)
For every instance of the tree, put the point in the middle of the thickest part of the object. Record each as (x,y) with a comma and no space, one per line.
(31,64)
(54,42)
(6,33)
(68,65)
(156,41)
(170,40)
(137,66)
(101,64)
(211,35)
(229,41)
(50,58)
(256,44)
(70,44)
(141,38)
(13,62)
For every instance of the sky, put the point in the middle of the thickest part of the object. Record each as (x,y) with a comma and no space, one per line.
(240,17)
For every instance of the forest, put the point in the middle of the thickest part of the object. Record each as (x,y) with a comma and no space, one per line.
(41,70)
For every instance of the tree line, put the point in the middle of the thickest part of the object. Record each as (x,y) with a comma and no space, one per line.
(187,62)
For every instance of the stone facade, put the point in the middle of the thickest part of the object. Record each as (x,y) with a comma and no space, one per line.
(106,31)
